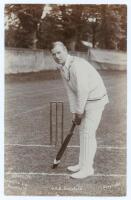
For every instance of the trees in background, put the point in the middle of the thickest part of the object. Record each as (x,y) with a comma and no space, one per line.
(112,27)
(32,27)
(24,21)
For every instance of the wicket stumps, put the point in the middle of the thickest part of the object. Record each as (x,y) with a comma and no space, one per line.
(54,117)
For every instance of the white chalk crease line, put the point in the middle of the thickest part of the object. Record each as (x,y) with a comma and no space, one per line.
(70,146)
(62,174)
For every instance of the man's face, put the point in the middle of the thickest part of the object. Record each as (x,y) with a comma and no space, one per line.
(59,54)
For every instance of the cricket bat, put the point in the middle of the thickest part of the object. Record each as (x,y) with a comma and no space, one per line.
(63,146)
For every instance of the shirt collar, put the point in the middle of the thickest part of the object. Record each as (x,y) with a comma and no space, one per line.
(68,60)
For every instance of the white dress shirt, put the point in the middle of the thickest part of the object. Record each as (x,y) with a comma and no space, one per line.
(83,83)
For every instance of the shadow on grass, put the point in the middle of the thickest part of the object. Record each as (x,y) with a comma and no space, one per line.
(32,76)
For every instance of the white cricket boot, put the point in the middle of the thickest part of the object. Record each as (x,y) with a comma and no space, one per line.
(83,173)
(74,168)
(77,167)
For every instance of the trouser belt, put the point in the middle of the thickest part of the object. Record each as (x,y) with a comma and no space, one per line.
(97,99)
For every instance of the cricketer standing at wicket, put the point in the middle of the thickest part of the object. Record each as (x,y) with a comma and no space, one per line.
(87,98)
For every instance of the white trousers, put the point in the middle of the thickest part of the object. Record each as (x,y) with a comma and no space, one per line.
(87,131)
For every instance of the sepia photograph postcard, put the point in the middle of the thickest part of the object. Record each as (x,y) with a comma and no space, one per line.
(65,99)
